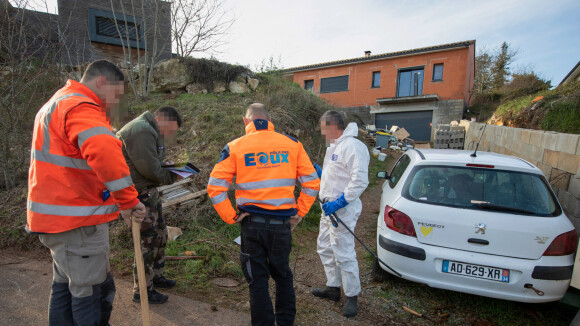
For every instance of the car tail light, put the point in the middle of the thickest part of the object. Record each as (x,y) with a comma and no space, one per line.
(399,222)
(564,244)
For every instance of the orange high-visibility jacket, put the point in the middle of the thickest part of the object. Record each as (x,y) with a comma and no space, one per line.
(267,165)
(74,159)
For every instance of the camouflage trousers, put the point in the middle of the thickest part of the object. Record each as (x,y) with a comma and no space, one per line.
(153,239)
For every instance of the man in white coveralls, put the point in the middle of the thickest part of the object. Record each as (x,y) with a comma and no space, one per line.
(344,177)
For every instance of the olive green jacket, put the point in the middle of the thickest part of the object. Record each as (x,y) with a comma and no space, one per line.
(144,152)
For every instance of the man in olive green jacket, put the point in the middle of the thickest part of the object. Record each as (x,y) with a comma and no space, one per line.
(144,151)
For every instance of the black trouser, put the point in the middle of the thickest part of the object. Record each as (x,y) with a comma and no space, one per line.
(266,251)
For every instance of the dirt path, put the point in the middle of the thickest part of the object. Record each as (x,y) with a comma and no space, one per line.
(25,285)
(308,272)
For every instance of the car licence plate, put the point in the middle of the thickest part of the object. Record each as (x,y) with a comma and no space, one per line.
(485,272)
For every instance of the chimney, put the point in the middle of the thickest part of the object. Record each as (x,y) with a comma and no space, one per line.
(367,54)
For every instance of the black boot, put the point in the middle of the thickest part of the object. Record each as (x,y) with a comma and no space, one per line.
(349,309)
(153,297)
(163,283)
(328,292)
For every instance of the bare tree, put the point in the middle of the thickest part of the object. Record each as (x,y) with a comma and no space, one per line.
(483,72)
(492,68)
(199,26)
(26,78)
(149,41)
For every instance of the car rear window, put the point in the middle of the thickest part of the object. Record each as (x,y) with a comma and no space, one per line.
(398,170)
(482,189)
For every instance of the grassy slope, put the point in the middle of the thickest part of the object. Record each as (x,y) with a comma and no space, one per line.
(210,122)
(557,110)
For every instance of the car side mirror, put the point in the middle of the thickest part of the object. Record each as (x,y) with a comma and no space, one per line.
(383,175)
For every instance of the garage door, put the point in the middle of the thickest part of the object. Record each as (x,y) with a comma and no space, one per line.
(417,123)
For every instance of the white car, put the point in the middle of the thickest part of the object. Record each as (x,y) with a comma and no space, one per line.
(488,225)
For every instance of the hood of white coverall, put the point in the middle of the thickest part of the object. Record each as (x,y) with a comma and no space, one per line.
(345,168)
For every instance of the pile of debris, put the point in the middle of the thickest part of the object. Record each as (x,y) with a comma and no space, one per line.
(382,140)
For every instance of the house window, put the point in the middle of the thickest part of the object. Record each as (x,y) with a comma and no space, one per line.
(106,27)
(437,71)
(102,28)
(309,85)
(376,79)
(410,82)
(334,84)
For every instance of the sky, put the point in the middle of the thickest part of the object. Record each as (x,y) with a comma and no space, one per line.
(546,34)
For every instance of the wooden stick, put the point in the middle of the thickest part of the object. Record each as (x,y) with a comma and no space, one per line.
(136,228)
(385,300)
(412,312)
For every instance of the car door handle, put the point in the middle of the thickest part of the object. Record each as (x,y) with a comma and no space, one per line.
(478,241)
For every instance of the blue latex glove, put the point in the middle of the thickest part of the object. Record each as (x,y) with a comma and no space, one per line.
(318,170)
(333,206)
(106,195)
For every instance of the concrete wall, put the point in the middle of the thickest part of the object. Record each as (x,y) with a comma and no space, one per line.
(361,115)
(73,24)
(447,111)
(557,155)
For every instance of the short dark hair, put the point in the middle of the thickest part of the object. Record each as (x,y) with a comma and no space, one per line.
(257,111)
(103,68)
(335,118)
(170,113)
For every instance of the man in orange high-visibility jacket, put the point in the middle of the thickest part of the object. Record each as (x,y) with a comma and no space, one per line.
(78,180)
(267,166)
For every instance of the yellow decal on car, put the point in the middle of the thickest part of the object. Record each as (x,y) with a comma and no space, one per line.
(426,231)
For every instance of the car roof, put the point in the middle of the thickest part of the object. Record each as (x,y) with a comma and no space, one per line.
(460,157)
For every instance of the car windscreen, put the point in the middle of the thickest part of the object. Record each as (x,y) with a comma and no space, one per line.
(482,189)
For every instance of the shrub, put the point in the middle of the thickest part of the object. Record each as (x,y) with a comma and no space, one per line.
(523,84)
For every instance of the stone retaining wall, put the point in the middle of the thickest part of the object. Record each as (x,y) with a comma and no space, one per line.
(360,114)
(556,154)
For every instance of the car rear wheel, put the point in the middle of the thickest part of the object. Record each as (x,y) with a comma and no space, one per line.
(378,274)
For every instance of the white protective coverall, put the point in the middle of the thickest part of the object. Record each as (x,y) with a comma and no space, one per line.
(345,170)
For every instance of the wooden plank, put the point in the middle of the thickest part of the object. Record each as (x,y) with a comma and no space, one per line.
(174,185)
(186,197)
(136,228)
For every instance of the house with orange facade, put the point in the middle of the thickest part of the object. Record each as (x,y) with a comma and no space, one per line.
(416,89)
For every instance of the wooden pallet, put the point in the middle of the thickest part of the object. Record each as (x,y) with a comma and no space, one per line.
(180,193)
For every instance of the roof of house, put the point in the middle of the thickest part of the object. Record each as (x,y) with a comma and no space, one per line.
(435,48)
(44,25)
(573,74)
(6,3)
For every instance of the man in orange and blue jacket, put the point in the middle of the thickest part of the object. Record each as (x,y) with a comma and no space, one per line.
(267,165)
(78,182)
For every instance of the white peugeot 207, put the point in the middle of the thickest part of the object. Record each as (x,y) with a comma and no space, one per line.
(487,224)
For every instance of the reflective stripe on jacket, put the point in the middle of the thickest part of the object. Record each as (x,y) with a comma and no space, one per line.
(267,165)
(75,158)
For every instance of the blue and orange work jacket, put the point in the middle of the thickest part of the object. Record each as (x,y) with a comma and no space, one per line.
(76,161)
(267,166)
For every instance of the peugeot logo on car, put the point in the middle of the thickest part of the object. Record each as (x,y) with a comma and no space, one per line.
(480,228)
